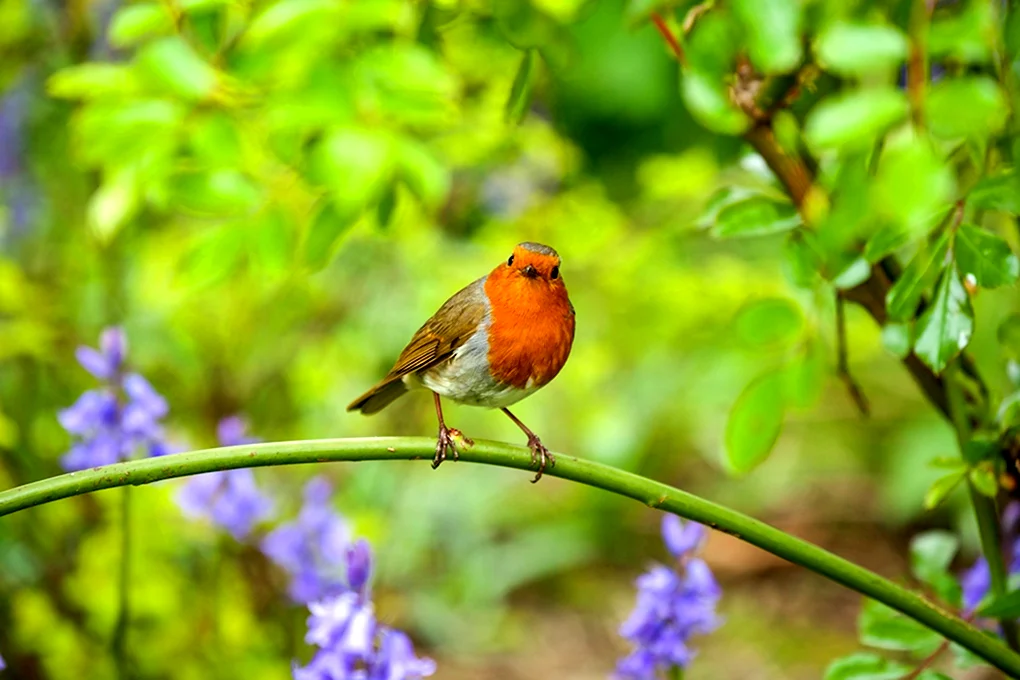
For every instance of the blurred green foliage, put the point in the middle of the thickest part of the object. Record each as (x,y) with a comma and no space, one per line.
(272,196)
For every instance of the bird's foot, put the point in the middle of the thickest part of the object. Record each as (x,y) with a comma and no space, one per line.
(447,444)
(541,457)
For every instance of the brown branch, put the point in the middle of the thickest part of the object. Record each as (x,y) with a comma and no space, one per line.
(667,35)
(796,177)
(842,362)
(917,58)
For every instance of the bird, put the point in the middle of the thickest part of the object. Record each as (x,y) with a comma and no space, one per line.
(496,341)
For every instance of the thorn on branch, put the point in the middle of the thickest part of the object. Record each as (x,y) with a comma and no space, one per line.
(842,366)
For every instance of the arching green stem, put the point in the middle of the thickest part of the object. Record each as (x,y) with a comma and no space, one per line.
(652,493)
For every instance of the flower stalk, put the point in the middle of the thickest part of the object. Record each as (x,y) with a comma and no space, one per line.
(652,493)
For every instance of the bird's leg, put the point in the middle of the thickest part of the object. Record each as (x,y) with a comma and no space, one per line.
(446,435)
(540,456)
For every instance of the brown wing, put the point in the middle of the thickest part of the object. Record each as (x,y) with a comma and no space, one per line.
(434,343)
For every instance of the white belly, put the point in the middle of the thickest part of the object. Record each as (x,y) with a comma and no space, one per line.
(465,377)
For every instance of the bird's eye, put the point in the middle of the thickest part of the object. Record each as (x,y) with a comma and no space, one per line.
(510,262)
(555,272)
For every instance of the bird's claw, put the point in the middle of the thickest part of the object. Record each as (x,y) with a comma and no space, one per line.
(446,443)
(541,457)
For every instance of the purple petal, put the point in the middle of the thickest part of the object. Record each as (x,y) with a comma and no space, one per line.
(681,538)
(196,496)
(93,410)
(318,491)
(397,660)
(113,345)
(330,619)
(233,431)
(359,565)
(359,639)
(144,396)
(2,664)
(975,582)
(95,363)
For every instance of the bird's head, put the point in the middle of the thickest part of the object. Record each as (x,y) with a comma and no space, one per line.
(535,261)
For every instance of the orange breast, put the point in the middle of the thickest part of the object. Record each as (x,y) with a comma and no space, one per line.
(532,328)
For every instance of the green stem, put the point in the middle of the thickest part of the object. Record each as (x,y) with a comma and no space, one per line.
(652,493)
(984,507)
(118,643)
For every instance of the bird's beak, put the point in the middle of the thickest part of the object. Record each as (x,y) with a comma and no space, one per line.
(530,272)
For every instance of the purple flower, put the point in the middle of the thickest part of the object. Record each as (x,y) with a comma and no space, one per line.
(359,566)
(976,582)
(119,418)
(313,548)
(230,498)
(680,538)
(342,623)
(352,644)
(106,362)
(673,604)
(233,431)
(2,664)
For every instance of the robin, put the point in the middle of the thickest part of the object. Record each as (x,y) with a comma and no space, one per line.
(492,344)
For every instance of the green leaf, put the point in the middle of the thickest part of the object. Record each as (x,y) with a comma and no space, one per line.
(912,184)
(171,64)
(769,322)
(966,107)
(772,30)
(220,192)
(755,216)
(800,261)
(114,203)
(860,49)
(999,192)
(425,175)
(884,628)
(356,164)
(985,257)
(323,235)
(852,273)
(902,299)
(136,23)
(1005,607)
(865,666)
(854,120)
(520,91)
(287,19)
(755,422)
(942,487)
(896,338)
(387,204)
(709,103)
(1008,335)
(805,376)
(984,480)
(885,241)
(92,80)
(980,448)
(944,329)
(931,554)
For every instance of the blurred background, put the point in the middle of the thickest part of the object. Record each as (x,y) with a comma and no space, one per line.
(270,198)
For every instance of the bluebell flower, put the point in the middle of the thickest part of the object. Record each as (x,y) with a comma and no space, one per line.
(352,643)
(229,498)
(673,604)
(976,582)
(313,548)
(120,418)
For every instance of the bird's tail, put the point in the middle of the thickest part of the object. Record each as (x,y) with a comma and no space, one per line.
(379,397)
